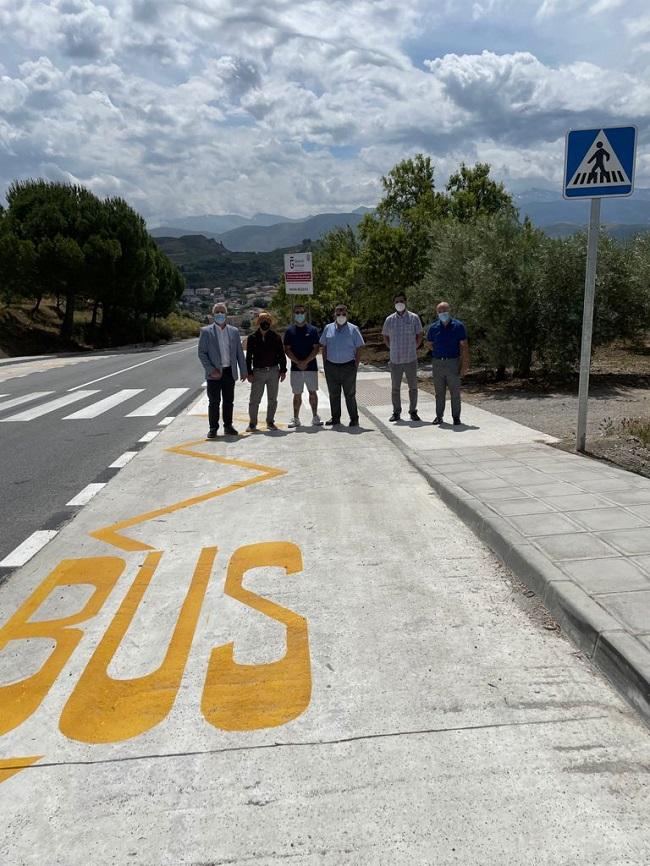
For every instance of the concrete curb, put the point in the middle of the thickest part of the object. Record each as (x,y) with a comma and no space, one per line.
(616,653)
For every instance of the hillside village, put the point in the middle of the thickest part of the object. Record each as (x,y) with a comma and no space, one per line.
(244,303)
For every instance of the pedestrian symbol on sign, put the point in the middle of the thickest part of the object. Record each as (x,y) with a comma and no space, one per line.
(599,169)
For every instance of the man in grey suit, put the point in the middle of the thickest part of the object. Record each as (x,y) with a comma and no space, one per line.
(220,352)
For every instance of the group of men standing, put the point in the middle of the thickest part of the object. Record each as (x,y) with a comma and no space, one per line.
(265,364)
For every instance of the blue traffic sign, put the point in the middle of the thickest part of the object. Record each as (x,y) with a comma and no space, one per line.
(599,162)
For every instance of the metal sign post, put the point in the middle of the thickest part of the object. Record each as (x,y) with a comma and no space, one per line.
(599,163)
(588,323)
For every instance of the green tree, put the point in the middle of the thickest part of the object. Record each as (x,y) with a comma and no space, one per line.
(473,193)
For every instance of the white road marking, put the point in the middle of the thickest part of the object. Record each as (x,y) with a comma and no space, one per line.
(29,548)
(133,367)
(121,462)
(86,494)
(18,401)
(104,405)
(158,404)
(166,421)
(150,435)
(51,406)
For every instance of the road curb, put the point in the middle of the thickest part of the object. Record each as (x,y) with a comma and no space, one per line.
(623,659)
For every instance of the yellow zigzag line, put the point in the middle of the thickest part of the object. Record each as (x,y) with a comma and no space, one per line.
(112,534)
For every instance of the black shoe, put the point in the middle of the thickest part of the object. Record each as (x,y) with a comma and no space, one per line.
(333,422)
(437,420)
(354,422)
(415,416)
(270,425)
(230,431)
(212,433)
(456,420)
(395,416)
(252,428)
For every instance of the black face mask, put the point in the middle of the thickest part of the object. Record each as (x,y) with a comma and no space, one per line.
(264,326)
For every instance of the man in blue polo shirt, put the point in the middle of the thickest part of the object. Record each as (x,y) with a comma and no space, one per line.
(342,342)
(448,339)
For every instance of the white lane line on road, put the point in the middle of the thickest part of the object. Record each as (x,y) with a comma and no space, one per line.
(86,494)
(158,404)
(96,409)
(150,435)
(18,401)
(51,406)
(121,461)
(133,367)
(30,547)
(166,421)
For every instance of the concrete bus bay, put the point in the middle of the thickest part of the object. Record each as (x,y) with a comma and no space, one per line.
(444,724)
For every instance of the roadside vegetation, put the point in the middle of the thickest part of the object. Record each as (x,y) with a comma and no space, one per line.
(92,260)
(519,291)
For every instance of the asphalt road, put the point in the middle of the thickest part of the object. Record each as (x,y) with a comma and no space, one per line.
(46,460)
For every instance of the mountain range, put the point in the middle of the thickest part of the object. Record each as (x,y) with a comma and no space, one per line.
(264,232)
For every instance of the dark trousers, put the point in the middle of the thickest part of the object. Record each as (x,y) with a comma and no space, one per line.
(221,390)
(342,377)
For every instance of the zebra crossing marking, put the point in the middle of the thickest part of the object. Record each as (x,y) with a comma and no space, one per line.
(26,398)
(96,409)
(50,406)
(156,405)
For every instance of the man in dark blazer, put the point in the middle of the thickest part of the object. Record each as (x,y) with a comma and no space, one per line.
(220,352)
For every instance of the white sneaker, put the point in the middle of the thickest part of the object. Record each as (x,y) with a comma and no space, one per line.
(295,422)
(316,422)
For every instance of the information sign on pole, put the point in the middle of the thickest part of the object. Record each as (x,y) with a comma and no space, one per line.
(298,274)
(599,163)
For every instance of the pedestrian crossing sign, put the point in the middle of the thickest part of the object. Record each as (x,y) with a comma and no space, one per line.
(600,162)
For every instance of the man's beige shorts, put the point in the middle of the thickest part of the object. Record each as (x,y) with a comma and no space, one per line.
(300,378)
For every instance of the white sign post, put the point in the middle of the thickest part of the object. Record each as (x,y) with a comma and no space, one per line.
(598,163)
(298,274)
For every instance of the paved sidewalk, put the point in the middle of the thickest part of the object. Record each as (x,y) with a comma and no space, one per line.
(576,530)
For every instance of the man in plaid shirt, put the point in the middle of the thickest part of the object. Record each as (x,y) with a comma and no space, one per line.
(402,333)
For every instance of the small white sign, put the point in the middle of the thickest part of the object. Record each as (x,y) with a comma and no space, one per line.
(298,274)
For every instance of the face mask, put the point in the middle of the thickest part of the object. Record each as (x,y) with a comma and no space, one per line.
(220,318)
(444,317)
(341,320)
(264,326)
(400,307)
(300,318)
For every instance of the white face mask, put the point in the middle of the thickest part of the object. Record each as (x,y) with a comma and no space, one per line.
(400,307)
(341,320)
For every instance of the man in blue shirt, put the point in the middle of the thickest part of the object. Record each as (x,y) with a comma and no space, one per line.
(342,342)
(301,344)
(448,339)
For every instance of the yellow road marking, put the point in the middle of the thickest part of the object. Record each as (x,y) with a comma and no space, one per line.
(239,697)
(103,709)
(10,766)
(112,534)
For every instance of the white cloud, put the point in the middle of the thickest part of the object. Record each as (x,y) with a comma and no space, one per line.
(219,105)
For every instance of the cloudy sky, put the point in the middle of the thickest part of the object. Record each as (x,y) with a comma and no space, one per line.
(214,106)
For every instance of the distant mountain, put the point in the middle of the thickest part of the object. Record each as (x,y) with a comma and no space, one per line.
(547,208)
(176,232)
(206,262)
(288,234)
(212,225)
(618,231)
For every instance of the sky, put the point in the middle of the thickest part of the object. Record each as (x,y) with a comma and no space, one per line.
(282,106)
